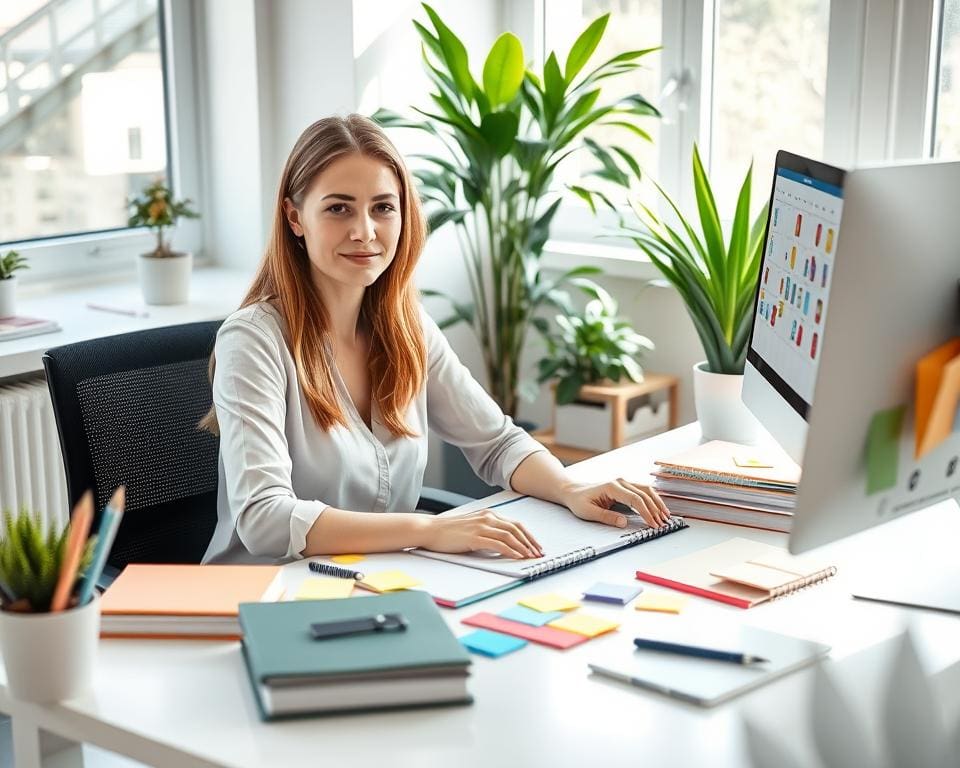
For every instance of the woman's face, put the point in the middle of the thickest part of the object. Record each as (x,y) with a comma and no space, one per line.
(350,220)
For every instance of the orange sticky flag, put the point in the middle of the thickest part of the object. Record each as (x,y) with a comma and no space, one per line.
(931,375)
(944,409)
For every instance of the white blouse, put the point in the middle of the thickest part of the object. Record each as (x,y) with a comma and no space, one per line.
(279,470)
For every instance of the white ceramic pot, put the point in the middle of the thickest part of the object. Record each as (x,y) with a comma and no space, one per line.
(50,656)
(8,297)
(165,280)
(720,409)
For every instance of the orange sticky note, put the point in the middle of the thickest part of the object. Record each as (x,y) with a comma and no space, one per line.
(584,624)
(388,581)
(663,602)
(933,370)
(324,589)
(549,603)
(944,409)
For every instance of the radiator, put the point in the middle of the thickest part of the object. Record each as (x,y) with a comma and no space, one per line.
(31,467)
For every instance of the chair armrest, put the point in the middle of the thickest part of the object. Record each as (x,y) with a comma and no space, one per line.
(435,500)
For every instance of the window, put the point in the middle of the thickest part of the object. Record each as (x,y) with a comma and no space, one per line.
(89,114)
(946,142)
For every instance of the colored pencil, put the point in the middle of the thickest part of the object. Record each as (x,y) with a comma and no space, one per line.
(76,540)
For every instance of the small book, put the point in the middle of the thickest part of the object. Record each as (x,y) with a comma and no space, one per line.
(738,572)
(722,462)
(175,601)
(17,327)
(566,540)
(294,674)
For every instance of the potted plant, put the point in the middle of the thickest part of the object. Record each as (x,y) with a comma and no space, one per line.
(594,347)
(504,137)
(164,273)
(717,281)
(10,264)
(47,640)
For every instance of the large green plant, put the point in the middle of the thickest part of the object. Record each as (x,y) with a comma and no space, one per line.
(716,279)
(504,138)
(591,346)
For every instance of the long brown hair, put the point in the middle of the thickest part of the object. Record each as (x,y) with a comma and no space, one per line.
(397,350)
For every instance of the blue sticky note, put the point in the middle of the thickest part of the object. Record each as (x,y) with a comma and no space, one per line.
(612,593)
(529,616)
(492,644)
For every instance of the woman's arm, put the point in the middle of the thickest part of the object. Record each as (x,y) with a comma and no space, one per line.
(542,475)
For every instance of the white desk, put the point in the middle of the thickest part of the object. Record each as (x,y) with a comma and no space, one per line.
(181,703)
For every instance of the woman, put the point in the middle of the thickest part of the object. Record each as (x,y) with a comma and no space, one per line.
(327,378)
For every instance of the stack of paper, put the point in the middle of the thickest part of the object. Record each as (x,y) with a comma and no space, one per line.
(731,483)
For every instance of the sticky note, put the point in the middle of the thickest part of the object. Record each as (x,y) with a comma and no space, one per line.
(620,594)
(664,602)
(944,409)
(548,603)
(389,581)
(931,372)
(492,644)
(584,624)
(529,616)
(751,460)
(555,638)
(347,559)
(883,449)
(324,589)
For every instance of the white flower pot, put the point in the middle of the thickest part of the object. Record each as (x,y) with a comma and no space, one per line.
(50,656)
(165,280)
(720,409)
(8,297)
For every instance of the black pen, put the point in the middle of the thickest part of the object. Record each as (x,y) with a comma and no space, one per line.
(695,650)
(335,570)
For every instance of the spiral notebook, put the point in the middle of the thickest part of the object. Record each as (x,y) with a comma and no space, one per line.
(566,540)
(739,572)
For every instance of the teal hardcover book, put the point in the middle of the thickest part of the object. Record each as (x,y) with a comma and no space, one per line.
(293,673)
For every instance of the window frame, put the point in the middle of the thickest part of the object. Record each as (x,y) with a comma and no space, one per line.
(82,254)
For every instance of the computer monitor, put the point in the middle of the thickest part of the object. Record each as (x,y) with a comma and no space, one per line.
(882,435)
(790,309)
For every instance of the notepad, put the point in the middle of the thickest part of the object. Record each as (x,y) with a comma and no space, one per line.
(621,594)
(324,589)
(549,603)
(529,616)
(661,602)
(492,644)
(584,624)
(388,581)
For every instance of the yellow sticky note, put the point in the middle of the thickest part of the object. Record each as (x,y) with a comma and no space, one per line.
(347,559)
(583,624)
(324,589)
(389,581)
(749,460)
(663,602)
(548,603)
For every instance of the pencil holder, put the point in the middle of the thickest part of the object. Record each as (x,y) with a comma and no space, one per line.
(50,656)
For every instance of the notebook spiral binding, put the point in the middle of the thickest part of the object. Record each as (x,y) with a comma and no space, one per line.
(584,554)
(808,581)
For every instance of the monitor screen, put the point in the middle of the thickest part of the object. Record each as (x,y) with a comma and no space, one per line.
(794,287)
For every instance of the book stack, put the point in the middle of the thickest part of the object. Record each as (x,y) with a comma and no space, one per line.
(730,483)
(293,672)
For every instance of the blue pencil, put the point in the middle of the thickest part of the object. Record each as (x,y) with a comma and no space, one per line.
(105,536)
(694,650)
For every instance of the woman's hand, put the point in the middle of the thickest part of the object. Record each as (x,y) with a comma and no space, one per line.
(592,501)
(484,529)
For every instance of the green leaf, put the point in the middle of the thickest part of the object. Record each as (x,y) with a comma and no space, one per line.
(635,104)
(568,388)
(635,129)
(503,70)
(554,88)
(584,194)
(499,129)
(584,47)
(438,218)
(454,55)
(630,160)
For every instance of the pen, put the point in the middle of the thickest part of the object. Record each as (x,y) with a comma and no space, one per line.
(695,650)
(76,539)
(335,570)
(118,310)
(108,531)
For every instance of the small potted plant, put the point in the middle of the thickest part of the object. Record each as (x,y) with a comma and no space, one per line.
(164,273)
(10,264)
(48,640)
(595,347)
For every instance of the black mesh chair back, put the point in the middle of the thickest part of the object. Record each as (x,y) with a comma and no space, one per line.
(127,408)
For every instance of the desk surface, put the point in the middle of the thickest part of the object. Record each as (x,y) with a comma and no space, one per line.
(178,702)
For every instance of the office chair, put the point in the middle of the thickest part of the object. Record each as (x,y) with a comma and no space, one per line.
(127,408)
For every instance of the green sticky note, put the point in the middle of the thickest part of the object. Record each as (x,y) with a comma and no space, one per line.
(883,449)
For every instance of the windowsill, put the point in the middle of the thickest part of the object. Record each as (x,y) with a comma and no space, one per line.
(215,292)
(614,260)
